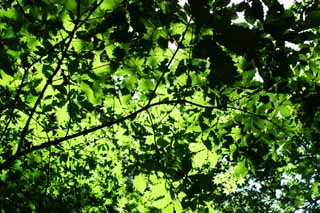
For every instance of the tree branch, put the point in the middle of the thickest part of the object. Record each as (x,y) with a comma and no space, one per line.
(57,141)
(22,153)
(164,71)
(77,24)
(22,84)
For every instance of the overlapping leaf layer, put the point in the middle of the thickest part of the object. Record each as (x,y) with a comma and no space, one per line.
(136,106)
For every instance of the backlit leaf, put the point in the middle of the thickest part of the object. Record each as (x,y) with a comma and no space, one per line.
(140,183)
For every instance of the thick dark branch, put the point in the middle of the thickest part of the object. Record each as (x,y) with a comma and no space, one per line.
(22,153)
(78,10)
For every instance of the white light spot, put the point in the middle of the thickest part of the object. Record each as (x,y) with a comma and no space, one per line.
(292,46)
(307,42)
(240,18)
(182,2)
(258,186)
(257,77)
(254,185)
(286,3)
(235,2)
(265,10)
(279,115)
(278,193)
(118,80)
(172,45)
(136,96)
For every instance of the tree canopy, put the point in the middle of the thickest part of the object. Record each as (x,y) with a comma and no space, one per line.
(137,106)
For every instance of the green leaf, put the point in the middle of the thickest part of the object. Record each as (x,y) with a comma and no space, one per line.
(109,146)
(233,148)
(285,110)
(125,99)
(240,170)
(200,159)
(177,206)
(71,5)
(47,70)
(315,188)
(196,147)
(10,13)
(274,155)
(110,4)
(139,182)
(161,202)
(213,159)
(73,110)
(236,133)
(146,84)
(88,91)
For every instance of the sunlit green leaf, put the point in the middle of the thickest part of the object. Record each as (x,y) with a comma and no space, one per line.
(140,183)
(240,169)
(200,159)
(171,106)
(196,147)
(285,110)
(88,91)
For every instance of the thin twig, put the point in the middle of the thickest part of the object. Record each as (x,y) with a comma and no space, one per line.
(77,24)
(164,71)
(133,115)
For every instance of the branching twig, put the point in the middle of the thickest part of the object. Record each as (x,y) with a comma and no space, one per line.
(14,105)
(164,71)
(78,24)
(22,84)
(57,141)
(22,153)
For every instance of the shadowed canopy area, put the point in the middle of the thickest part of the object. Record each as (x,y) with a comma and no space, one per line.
(174,106)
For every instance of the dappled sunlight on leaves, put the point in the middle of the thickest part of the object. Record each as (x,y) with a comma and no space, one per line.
(174,106)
